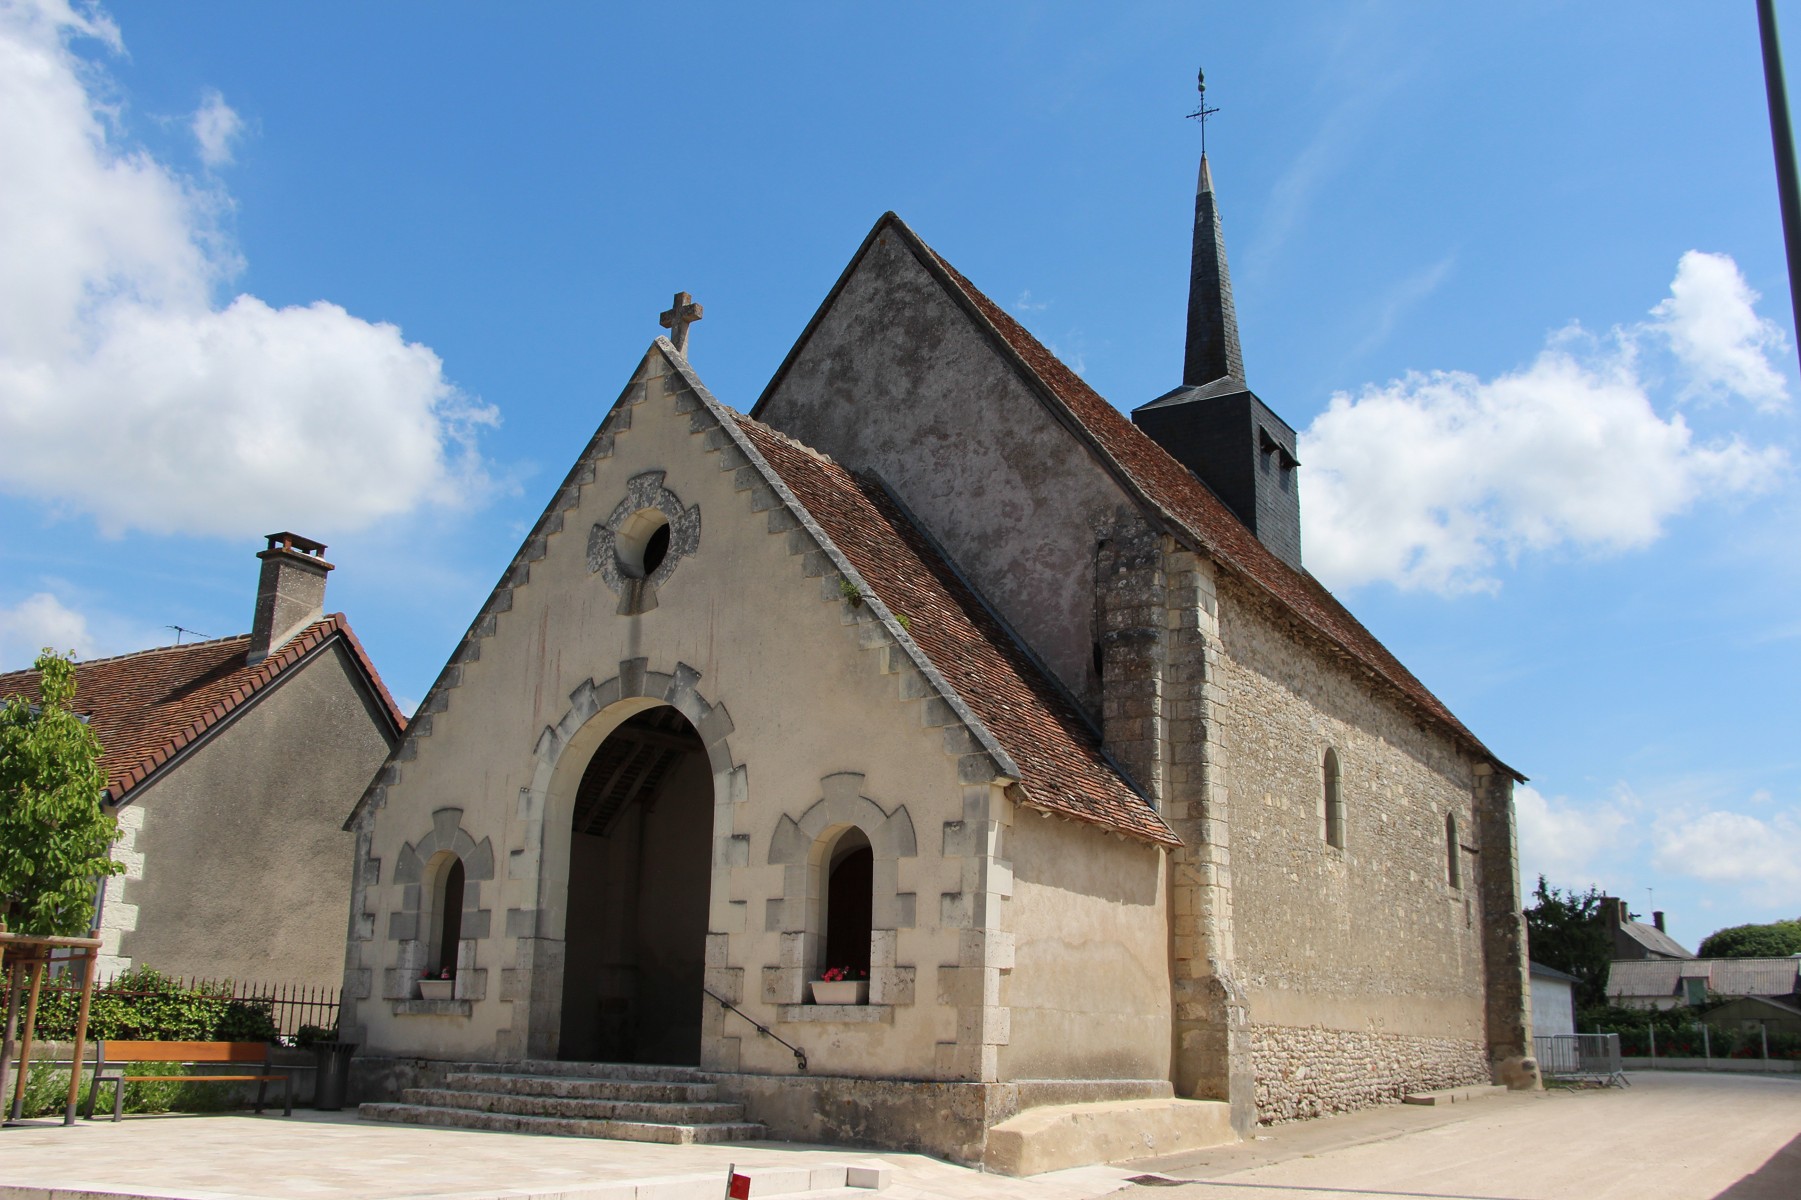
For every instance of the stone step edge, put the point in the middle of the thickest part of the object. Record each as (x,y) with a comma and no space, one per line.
(480,1081)
(1468,1092)
(475,1101)
(852,1180)
(604,1128)
(643,1072)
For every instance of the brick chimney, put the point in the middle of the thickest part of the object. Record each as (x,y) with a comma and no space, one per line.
(290,595)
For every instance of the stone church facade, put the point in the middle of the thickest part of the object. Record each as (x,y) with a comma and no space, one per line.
(939,669)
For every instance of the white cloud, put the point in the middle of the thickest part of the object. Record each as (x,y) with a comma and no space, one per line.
(128,391)
(37,622)
(1564,840)
(1713,329)
(1761,858)
(1432,480)
(216,126)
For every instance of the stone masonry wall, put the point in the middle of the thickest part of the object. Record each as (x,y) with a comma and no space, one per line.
(1314,1072)
(1362,965)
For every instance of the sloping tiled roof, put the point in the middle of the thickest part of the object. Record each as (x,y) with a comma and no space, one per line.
(146,708)
(1187,504)
(1654,939)
(1659,977)
(1062,768)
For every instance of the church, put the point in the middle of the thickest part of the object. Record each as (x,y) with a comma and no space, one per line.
(933,758)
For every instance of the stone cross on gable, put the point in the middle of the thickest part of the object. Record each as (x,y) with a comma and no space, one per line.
(683,313)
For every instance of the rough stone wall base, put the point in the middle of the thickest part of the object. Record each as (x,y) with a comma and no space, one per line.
(1311,1072)
(375,1079)
(1078,1135)
(949,1120)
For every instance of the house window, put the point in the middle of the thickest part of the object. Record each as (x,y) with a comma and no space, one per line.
(849,904)
(1453,852)
(446,918)
(1333,790)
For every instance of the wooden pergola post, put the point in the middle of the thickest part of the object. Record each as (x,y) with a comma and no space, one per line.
(18,950)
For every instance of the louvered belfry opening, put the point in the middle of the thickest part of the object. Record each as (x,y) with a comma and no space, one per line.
(639,874)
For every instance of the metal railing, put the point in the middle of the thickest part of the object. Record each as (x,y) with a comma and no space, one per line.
(800,1056)
(290,1005)
(1581,1056)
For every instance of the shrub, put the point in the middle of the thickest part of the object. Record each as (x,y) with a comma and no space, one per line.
(145,1005)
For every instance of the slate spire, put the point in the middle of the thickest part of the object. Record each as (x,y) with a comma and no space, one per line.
(1212,351)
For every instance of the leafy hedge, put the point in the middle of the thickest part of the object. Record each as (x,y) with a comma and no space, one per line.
(1679,1034)
(145,1005)
(47,1091)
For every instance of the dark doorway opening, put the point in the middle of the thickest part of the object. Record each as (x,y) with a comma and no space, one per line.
(849,904)
(640,872)
(450,916)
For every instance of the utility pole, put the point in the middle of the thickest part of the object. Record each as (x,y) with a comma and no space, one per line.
(1787,188)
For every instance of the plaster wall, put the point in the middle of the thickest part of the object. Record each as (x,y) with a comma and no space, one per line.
(1089,994)
(1553,1007)
(896,379)
(802,700)
(240,856)
(1344,948)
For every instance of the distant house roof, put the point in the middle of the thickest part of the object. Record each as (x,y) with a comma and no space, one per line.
(1540,971)
(1654,940)
(1168,488)
(147,708)
(1655,978)
(1062,767)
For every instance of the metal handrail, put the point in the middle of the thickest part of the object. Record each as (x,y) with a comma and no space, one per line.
(800,1056)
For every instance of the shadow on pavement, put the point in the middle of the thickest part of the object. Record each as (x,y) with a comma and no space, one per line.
(1778,1179)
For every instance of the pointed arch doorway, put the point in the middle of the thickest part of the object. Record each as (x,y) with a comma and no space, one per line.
(640,874)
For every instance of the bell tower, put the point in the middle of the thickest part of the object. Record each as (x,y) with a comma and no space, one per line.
(1213,424)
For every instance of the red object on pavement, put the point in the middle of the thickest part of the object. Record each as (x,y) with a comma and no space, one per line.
(739,1187)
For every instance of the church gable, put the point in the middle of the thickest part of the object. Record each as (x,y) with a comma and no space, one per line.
(894,377)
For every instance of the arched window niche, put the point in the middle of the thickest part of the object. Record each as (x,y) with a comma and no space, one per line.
(1333,800)
(1453,853)
(445,878)
(846,890)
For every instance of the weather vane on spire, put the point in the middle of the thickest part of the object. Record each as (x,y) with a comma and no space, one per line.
(1202,112)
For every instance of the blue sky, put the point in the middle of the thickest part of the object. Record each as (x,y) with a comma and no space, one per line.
(374,273)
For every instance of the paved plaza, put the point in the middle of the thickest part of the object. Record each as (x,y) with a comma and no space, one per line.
(1668,1137)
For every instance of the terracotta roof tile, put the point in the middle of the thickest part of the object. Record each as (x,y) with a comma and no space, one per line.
(1062,768)
(1194,509)
(147,707)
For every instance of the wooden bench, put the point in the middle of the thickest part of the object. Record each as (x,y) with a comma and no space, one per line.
(118,1054)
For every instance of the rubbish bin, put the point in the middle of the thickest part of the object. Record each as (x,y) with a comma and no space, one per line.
(331,1081)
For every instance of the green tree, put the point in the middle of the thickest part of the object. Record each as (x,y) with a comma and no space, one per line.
(1778,939)
(1565,930)
(54,836)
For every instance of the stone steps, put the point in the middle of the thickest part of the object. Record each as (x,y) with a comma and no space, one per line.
(578,1088)
(625,1131)
(676,1106)
(607,1109)
(651,1072)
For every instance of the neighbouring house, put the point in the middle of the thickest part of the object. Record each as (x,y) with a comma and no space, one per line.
(1553,1001)
(1635,939)
(230,765)
(1671,983)
(1749,1014)
(940,672)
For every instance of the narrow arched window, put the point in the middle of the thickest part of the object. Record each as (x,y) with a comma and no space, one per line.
(1453,852)
(447,913)
(849,905)
(1333,790)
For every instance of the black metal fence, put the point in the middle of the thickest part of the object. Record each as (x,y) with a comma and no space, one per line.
(289,1005)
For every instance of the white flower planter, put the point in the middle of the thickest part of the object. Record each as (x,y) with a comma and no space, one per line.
(437,989)
(841,991)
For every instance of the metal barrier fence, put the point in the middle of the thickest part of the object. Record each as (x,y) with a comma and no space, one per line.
(1581,1056)
(290,1005)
